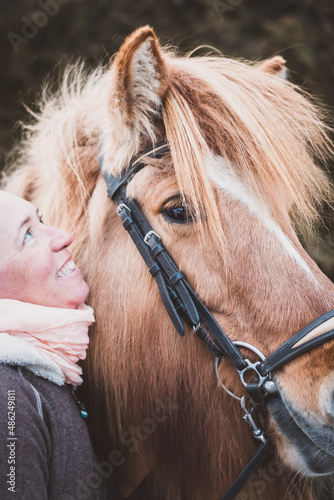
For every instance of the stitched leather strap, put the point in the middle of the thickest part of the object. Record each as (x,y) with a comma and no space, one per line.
(160,254)
(225,343)
(287,352)
(131,226)
(257,459)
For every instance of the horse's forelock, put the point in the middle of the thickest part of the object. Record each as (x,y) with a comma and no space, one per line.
(265,127)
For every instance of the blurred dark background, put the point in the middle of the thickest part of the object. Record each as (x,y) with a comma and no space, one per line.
(38,36)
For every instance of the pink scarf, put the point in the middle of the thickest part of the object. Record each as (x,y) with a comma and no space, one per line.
(61,333)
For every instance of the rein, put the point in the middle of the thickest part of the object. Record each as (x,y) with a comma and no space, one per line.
(183,305)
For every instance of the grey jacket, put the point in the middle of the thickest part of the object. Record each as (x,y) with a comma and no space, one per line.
(45,451)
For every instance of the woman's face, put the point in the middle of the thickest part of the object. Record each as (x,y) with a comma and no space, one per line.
(35,265)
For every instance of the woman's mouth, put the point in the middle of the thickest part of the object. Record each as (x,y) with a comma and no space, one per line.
(67,268)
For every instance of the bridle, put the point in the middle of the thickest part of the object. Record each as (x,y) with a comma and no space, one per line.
(183,305)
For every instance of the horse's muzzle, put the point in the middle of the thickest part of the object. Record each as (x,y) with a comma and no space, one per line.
(311,439)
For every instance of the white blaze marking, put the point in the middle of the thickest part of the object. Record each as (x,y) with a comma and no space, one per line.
(224,176)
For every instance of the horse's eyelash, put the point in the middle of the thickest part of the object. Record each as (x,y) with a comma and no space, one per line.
(172,201)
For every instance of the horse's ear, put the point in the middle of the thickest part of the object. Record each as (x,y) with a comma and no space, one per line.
(274,66)
(140,74)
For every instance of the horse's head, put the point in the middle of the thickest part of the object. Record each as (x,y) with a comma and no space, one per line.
(241,167)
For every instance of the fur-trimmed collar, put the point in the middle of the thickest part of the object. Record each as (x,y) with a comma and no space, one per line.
(18,352)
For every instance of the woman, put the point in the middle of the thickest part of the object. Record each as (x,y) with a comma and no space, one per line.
(45,449)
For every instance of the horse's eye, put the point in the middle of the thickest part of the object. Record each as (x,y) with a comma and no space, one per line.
(177,211)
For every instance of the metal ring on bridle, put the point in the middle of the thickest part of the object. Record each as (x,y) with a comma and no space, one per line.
(257,351)
(250,367)
(217,361)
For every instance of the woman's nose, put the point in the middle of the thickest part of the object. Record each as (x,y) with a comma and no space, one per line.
(60,239)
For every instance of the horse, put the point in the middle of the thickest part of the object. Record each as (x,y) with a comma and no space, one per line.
(241,179)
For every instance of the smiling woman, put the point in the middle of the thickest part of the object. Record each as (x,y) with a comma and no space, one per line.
(35,265)
(45,449)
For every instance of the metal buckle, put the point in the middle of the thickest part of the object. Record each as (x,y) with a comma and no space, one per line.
(120,208)
(149,235)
